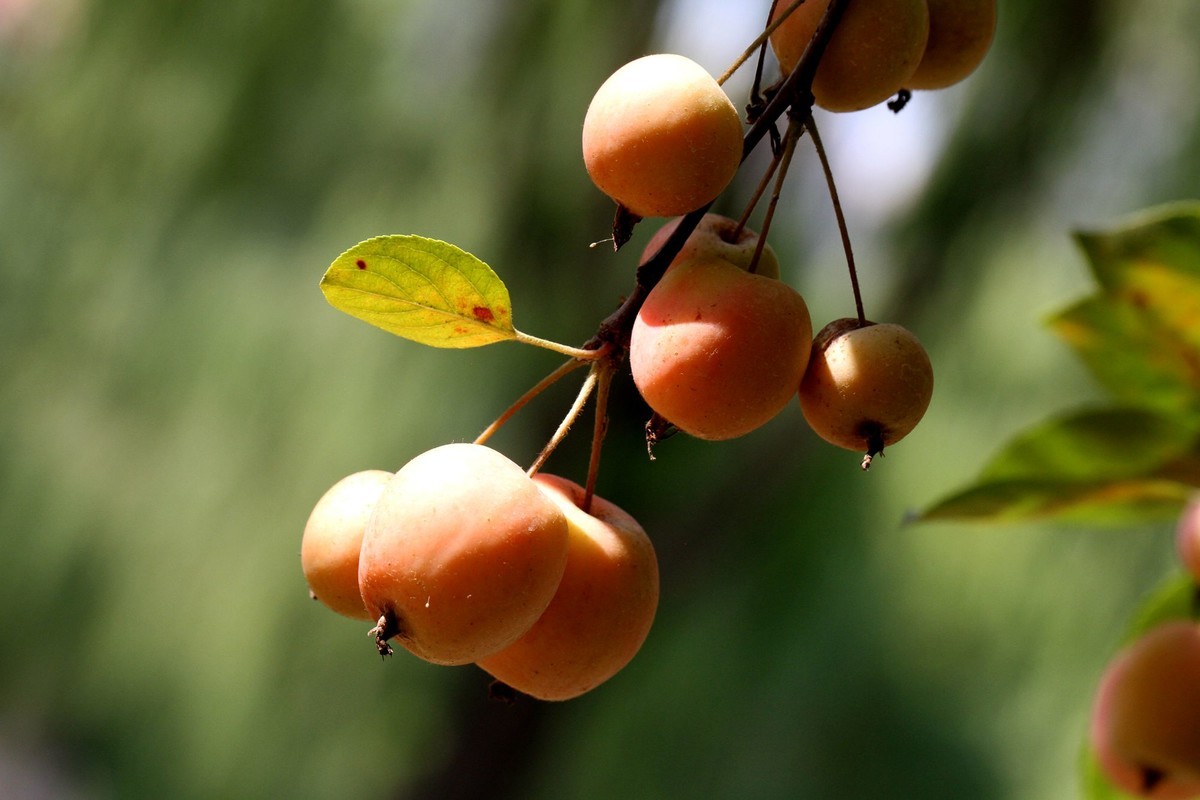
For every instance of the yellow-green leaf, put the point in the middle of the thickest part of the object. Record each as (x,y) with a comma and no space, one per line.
(421,289)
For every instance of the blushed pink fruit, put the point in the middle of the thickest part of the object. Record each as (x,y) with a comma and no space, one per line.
(718,351)
(603,608)
(1145,728)
(461,556)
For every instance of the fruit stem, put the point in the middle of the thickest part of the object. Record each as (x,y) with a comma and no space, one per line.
(564,427)
(761,42)
(388,627)
(811,124)
(759,191)
(795,128)
(582,354)
(600,428)
(541,386)
(874,436)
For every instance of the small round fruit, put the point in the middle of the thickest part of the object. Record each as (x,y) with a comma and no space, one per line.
(1144,729)
(718,351)
(333,537)
(718,236)
(960,35)
(603,608)
(661,137)
(1187,538)
(461,556)
(866,386)
(870,56)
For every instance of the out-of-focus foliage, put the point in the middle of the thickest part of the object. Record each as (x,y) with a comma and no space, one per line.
(165,437)
(1140,336)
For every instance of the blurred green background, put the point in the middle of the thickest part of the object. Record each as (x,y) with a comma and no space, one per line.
(174,179)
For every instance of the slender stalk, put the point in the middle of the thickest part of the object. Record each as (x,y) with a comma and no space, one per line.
(759,43)
(564,427)
(541,386)
(759,191)
(599,429)
(582,354)
(841,219)
(795,129)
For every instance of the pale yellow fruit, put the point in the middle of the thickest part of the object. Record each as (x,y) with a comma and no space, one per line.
(332,540)
(661,137)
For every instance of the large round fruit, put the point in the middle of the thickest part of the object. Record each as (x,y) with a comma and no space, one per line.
(461,556)
(718,351)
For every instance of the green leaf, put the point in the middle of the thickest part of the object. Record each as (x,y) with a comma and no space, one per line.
(1140,335)
(1136,358)
(421,289)
(1107,465)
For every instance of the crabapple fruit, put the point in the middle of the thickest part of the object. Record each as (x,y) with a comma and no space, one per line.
(718,351)
(1187,538)
(960,35)
(870,55)
(603,608)
(867,385)
(461,555)
(661,137)
(717,235)
(333,537)
(1144,729)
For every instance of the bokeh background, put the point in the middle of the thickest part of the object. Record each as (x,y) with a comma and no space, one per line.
(176,394)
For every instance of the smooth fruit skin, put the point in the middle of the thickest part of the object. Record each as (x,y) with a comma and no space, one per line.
(873,51)
(602,611)
(462,554)
(661,137)
(1145,728)
(1187,538)
(332,539)
(865,383)
(719,351)
(960,35)
(717,235)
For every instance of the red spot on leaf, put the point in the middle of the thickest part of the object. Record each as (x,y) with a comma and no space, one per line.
(483,314)
(360,264)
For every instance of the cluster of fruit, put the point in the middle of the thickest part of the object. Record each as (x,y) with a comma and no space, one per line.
(462,557)
(1145,732)
(718,350)
(883,46)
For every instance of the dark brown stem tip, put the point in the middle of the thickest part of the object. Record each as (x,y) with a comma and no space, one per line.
(1151,778)
(624,221)
(386,628)
(874,435)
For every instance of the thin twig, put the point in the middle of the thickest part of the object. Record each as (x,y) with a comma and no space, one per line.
(599,429)
(795,129)
(564,427)
(841,219)
(760,43)
(541,386)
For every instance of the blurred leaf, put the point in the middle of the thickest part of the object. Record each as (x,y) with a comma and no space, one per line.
(1140,335)
(1174,599)
(1107,465)
(421,289)
(1135,357)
